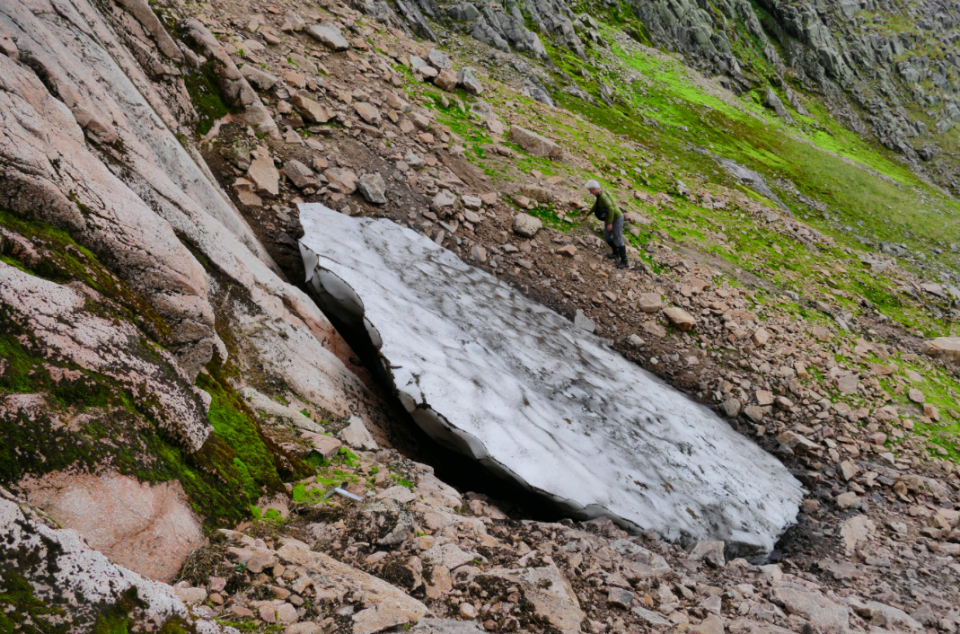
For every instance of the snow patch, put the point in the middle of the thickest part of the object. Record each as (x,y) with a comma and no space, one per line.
(498,377)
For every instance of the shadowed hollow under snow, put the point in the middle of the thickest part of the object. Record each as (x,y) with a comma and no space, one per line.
(513,384)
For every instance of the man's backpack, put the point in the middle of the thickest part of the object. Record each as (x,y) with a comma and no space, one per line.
(600,209)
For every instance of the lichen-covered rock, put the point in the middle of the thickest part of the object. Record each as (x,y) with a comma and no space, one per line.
(52,578)
(61,325)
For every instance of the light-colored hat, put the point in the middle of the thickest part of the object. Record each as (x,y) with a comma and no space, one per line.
(592,184)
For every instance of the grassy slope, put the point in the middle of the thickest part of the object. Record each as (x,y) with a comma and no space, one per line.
(867,191)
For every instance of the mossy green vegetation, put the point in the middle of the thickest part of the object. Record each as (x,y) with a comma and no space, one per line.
(208,100)
(111,422)
(21,612)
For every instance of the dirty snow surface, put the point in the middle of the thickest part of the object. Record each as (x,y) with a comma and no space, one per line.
(513,384)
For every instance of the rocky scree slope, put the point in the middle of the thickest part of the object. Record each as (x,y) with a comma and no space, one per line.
(103,200)
(828,375)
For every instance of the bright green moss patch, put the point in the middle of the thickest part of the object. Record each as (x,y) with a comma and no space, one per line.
(208,100)
(233,423)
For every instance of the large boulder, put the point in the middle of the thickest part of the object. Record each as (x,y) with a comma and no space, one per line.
(534,143)
(151,530)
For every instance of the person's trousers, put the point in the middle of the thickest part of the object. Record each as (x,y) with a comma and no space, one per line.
(614,237)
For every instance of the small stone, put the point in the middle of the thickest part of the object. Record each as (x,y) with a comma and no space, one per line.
(444,200)
(326,446)
(467,78)
(842,571)
(731,407)
(526,225)
(651,617)
(341,179)
(713,624)
(568,250)
(848,384)
(680,318)
(534,143)
(329,36)
(760,336)
(467,611)
(299,174)
(438,59)
(754,413)
(650,303)
(618,597)
(580,320)
(764,397)
(191,595)
(813,606)
(446,80)
(258,79)
(846,500)
(783,403)
(373,188)
(855,530)
(635,341)
(264,175)
(368,112)
(916,395)
(357,435)
(471,202)
(713,604)
(931,411)
(310,110)
(710,552)
(847,470)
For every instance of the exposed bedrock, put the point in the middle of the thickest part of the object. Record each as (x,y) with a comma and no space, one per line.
(498,377)
(138,282)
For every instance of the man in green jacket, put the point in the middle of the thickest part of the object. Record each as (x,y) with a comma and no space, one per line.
(606,209)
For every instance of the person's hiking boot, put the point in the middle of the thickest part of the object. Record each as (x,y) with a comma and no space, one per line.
(623,258)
